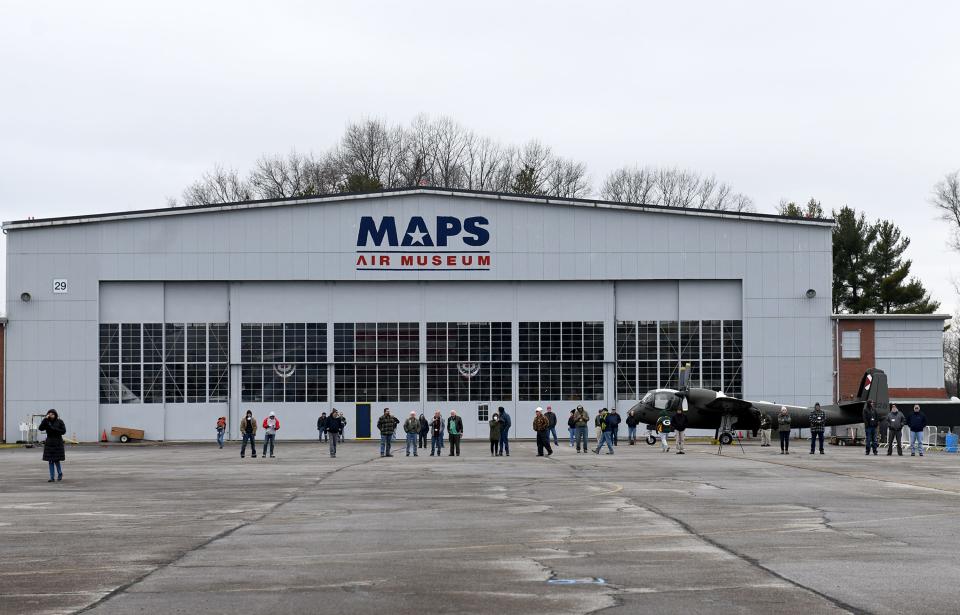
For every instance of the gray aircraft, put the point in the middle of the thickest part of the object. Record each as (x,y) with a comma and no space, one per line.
(710,409)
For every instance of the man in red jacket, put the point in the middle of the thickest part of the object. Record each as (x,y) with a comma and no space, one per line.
(271,424)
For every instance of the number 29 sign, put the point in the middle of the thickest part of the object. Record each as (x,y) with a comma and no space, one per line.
(60,286)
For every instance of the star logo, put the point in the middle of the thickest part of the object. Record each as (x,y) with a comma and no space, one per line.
(416,237)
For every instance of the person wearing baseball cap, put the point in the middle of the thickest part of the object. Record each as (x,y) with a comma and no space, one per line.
(411,427)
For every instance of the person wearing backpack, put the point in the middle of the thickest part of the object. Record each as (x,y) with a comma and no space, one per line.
(221,428)
(248,430)
(271,425)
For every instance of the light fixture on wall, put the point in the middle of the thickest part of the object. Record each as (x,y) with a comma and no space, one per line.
(811,293)
(25,297)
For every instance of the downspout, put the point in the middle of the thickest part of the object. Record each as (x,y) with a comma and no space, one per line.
(836,342)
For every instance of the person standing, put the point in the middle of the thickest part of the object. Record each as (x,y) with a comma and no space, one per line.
(664,427)
(614,418)
(332,428)
(387,424)
(581,423)
(436,438)
(606,435)
(455,431)
(765,428)
(494,434)
(679,422)
(818,421)
(424,430)
(343,426)
(248,430)
(53,451)
(505,423)
(541,425)
(632,421)
(783,428)
(221,428)
(552,419)
(322,426)
(895,422)
(916,422)
(271,425)
(572,426)
(870,422)
(411,427)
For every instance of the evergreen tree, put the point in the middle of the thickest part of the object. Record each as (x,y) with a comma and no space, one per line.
(358,182)
(852,238)
(525,181)
(893,291)
(812,209)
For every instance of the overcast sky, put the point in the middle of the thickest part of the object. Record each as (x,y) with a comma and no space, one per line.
(119,105)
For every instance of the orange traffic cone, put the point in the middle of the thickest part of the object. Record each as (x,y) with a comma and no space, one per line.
(103,437)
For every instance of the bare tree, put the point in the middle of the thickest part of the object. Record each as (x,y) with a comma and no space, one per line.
(365,149)
(946,198)
(217,186)
(672,187)
(630,185)
(450,142)
(278,177)
(567,179)
(484,163)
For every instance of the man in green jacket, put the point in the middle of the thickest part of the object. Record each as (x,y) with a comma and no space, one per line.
(411,427)
(581,420)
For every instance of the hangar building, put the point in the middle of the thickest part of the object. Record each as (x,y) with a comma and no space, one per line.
(415,299)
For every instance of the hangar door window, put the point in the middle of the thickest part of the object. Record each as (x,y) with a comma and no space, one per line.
(283,362)
(376,361)
(650,354)
(469,361)
(561,361)
(164,362)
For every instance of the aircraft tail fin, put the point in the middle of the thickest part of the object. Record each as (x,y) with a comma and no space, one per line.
(873,386)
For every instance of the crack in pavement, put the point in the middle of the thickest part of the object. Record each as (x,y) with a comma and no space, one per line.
(293,495)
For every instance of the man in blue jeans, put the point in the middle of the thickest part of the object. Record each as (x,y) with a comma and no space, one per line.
(387,424)
(606,436)
(581,420)
(552,419)
(505,423)
(916,422)
(411,427)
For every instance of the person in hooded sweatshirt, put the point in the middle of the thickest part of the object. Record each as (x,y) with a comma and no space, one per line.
(505,423)
(871,420)
(424,430)
(332,428)
(248,430)
(270,425)
(322,426)
(53,450)
(632,421)
(895,422)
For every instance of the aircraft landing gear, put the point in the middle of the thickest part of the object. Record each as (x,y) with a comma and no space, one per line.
(727,435)
(651,435)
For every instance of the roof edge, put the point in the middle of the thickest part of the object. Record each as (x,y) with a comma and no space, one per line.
(414,190)
(891,316)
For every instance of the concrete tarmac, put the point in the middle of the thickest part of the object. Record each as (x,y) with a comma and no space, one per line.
(196,529)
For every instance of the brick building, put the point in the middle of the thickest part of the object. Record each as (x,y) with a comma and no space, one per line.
(908,347)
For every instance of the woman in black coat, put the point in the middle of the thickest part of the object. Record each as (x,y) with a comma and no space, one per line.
(53,452)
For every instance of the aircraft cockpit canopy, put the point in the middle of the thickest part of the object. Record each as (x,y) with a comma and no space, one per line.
(661,399)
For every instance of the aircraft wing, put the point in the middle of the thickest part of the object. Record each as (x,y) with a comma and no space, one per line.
(728,405)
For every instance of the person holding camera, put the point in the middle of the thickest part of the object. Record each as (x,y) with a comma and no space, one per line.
(53,452)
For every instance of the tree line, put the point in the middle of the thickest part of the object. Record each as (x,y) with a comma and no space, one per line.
(373,155)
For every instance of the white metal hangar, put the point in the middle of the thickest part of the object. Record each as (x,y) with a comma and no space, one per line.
(416,299)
